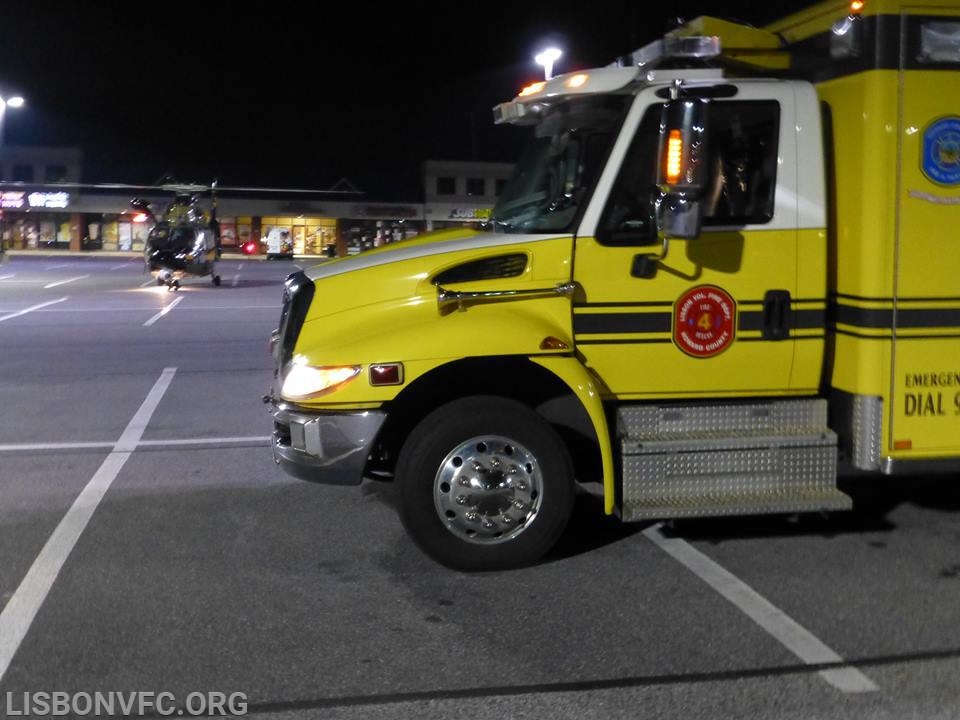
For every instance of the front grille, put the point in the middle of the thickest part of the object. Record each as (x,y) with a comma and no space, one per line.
(297,295)
(281,434)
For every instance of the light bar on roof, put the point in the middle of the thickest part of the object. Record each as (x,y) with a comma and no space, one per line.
(695,46)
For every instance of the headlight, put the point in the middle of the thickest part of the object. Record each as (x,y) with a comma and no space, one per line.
(304,381)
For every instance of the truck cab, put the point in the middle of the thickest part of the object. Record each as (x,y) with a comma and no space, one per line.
(720,278)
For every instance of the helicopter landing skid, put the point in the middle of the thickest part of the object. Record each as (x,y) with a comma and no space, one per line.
(171,278)
(168,278)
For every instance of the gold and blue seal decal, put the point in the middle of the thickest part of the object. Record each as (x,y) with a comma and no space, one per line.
(941,151)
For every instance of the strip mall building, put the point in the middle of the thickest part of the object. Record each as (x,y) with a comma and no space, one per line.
(63,214)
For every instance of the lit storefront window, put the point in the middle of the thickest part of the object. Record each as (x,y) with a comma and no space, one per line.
(311,236)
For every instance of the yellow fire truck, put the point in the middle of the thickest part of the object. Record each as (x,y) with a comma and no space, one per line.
(725,274)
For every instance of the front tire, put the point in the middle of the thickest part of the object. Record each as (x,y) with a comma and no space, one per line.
(484,483)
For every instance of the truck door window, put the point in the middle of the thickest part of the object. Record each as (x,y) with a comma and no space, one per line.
(939,42)
(743,139)
(743,148)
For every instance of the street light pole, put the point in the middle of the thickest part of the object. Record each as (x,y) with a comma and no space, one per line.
(13,102)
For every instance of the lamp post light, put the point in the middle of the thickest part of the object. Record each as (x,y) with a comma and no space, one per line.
(15,102)
(547,58)
(12,102)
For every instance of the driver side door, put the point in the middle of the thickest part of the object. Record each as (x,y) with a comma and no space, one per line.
(713,317)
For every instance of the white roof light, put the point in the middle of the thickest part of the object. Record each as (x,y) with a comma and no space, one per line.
(547,58)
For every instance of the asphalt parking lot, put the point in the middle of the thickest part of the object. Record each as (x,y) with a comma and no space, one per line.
(149,544)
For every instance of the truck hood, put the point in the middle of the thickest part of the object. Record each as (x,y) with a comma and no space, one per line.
(391,290)
(385,305)
(434,243)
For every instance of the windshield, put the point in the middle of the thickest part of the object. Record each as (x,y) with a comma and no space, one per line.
(557,171)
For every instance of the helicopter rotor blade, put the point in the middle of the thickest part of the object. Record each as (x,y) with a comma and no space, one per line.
(186,188)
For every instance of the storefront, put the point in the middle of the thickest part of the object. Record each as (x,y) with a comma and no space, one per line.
(311,235)
(31,220)
(42,219)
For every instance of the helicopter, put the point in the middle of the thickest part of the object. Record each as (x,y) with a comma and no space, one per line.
(185,237)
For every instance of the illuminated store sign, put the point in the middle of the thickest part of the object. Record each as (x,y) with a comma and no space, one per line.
(49,199)
(470,213)
(11,199)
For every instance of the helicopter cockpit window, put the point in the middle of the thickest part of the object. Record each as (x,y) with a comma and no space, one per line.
(182,236)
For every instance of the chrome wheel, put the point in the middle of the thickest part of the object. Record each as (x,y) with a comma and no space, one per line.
(488,489)
(484,483)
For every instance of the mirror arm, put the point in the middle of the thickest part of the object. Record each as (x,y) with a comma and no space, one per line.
(675,89)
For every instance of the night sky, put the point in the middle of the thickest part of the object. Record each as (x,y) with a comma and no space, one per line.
(300,95)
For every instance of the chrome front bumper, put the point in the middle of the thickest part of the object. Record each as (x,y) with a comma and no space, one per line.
(328,448)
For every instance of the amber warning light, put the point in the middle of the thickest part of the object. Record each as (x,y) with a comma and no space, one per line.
(674,154)
(532,88)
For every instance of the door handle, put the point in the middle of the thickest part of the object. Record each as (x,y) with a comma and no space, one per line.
(776,315)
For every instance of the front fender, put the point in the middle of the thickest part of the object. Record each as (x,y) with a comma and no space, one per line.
(572,372)
(417,334)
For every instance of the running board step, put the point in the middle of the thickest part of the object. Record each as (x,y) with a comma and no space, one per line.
(737,459)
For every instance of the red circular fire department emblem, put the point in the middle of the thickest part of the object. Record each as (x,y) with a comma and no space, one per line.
(704,321)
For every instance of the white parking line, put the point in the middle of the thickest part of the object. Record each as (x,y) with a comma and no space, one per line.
(163,312)
(783,628)
(22,608)
(7,277)
(253,439)
(240,266)
(31,309)
(57,267)
(180,442)
(19,447)
(120,267)
(148,282)
(64,282)
(202,308)
(236,279)
(114,308)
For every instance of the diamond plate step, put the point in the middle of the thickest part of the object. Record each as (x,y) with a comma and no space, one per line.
(691,461)
(781,417)
(693,442)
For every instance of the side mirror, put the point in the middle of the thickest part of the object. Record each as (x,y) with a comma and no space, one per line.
(679,216)
(683,168)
